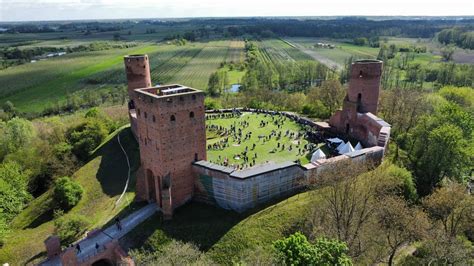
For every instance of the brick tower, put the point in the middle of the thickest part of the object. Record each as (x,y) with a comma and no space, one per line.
(364,85)
(137,68)
(171,134)
(362,97)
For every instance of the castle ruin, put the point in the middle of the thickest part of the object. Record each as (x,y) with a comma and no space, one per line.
(169,124)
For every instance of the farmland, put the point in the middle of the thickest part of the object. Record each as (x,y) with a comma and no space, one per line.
(32,87)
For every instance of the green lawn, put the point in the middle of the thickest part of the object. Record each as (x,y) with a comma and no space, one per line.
(102,178)
(262,149)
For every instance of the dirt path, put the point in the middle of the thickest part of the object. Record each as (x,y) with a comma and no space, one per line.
(316,56)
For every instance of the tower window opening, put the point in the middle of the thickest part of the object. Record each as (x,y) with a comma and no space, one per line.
(154,118)
(138,111)
(195,157)
(360,74)
(172,118)
(359,101)
(191,114)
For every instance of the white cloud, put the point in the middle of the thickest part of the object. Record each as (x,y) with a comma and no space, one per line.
(88,9)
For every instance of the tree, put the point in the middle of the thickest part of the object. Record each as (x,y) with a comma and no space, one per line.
(452,207)
(347,204)
(15,134)
(448,52)
(67,192)
(331,94)
(8,107)
(400,224)
(69,228)
(439,147)
(85,137)
(173,253)
(13,189)
(296,250)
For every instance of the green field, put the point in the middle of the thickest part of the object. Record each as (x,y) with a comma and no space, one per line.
(32,87)
(266,150)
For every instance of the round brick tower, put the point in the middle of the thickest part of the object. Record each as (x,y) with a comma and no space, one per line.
(364,85)
(137,68)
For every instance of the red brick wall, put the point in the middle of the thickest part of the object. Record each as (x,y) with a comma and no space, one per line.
(365,80)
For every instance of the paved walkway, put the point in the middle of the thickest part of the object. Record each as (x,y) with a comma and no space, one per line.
(88,248)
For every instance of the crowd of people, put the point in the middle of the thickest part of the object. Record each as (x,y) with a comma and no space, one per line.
(238,134)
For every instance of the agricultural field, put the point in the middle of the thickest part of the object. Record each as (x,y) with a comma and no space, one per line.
(32,87)
(332,57)
(336,57)
(279,51)
(266,149)
(197,71)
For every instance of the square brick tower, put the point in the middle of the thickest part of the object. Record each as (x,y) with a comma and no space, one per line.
(362,95)
(171,134)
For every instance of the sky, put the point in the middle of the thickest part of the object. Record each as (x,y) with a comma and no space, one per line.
(33,10)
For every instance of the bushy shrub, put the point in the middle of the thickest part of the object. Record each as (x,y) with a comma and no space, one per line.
(67,193)
(69,228)
(297,250)
(86,137)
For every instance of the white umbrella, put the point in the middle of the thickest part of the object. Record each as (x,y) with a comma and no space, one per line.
(358,147)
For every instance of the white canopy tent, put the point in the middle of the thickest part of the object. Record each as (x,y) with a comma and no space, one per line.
(335,140)
(318,154)
(340,146)
(358,147)
(346,149)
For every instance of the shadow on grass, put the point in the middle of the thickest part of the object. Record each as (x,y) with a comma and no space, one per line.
(112,173)
(43,218)
(199,223)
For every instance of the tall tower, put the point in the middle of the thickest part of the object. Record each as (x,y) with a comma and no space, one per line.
(364,85)
(172,135)
(137,68)
(362,96)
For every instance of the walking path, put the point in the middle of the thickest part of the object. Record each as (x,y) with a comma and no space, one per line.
(88,245)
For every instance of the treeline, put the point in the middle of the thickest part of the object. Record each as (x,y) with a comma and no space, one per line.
(403,70)
(15,55)
(287,76)
(86,99)
(350,28)
(462,37)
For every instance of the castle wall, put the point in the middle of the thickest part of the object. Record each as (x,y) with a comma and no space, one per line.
(245,189)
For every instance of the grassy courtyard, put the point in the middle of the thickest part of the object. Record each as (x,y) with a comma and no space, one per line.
(225,142)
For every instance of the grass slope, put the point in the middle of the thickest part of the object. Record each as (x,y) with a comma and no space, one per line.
(102,178)
(262,228)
